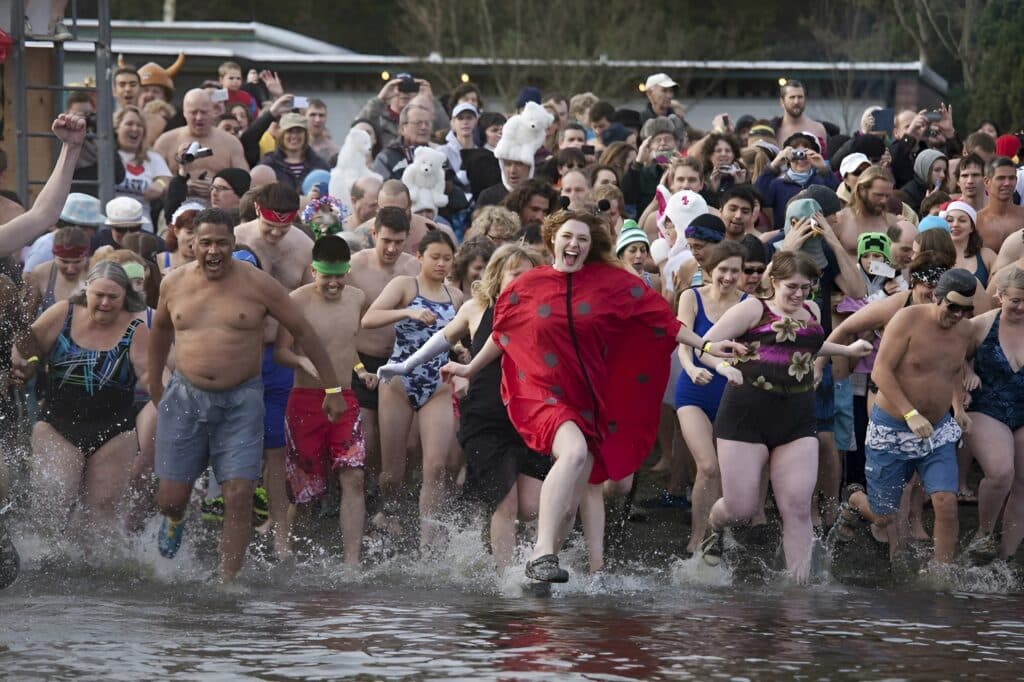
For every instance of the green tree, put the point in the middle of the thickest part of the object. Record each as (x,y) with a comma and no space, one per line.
(999,83)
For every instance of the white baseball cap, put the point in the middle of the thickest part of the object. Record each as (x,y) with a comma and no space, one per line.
(851,162)
(465,106)
(661,80)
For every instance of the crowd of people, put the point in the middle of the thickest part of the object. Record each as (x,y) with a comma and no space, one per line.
(517,306)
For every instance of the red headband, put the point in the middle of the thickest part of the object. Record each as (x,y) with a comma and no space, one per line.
(69,252)
(287,217)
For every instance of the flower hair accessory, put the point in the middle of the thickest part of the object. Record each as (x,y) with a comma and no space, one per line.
(317,205)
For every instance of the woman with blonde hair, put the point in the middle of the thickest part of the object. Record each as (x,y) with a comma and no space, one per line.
(146,174)
(497,223)
(502,473)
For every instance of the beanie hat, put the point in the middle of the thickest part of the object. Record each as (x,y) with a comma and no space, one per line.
(630,234)
(799,209)
(932,222)
(527,94)
(659,125)
(965,207)
(874,242)
(870,146)
(153,74)
(616,132)
(1007,145)
(239,179)
(923,164)
(826,197)
(706,227)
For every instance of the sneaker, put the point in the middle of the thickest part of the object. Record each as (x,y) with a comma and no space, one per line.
(59,31)
(546,569)
(712,547)
(213,510)
(170,536)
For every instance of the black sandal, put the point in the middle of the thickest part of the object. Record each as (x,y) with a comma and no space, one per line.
(712,546)
(546,569)
(848,520)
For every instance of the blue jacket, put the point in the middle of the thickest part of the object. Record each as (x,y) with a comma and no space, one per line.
(777,191)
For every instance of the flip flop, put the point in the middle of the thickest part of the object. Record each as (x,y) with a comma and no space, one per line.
(546,569)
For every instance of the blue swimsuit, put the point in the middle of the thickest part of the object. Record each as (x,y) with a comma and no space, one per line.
(1001,394)
(422,382)
(708,396)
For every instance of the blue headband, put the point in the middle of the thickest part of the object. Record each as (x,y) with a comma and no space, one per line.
(703,233)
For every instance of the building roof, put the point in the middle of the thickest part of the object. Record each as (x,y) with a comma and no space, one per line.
(261,43)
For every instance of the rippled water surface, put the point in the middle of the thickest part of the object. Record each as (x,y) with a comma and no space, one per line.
(144,618)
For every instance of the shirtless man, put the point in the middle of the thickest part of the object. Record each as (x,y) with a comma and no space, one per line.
(23,230)
(866,212)
(214,310)
(58,279)
(395,193)
(372,269)
(1001,221)
(317,447)
(285,252)
(970,175)
(919,373)
(201,127)
(793,99)
(364,195)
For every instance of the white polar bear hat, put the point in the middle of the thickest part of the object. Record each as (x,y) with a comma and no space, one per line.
(522,135)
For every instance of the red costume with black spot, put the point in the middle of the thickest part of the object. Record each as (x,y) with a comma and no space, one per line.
(602,365)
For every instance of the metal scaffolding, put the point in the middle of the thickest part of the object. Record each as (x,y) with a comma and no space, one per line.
(104,133)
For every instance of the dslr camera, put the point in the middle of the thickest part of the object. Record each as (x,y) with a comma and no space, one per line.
(799,154)
(195,151)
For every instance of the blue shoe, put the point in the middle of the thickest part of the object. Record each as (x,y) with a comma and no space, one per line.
(170,536)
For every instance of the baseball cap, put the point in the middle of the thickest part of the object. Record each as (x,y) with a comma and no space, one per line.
(805,137)
(852,162)
(661,80)
(463,107)
(293,120)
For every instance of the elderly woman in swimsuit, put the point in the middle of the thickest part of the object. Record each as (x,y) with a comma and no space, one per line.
(94,347)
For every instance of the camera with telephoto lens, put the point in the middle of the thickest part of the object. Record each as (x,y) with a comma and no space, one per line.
(799,154)
(195,151)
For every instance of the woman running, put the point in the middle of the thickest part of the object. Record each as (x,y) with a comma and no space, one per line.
(419,307)
(767,411)
(573,381)
(95,349)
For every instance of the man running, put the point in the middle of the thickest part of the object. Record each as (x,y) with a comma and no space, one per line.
(284,252)
(214,310)
(372,269)
(317,447)
(919,373)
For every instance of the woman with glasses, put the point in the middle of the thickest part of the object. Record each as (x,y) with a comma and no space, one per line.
(497,223)
(766,414)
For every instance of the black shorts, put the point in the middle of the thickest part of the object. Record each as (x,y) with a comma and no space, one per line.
(365,396)
(494,460)
(754,415)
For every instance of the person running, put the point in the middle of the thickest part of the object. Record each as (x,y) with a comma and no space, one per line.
(633,248)
(572,379)
(59,279)
(766,414)
(996,410)
(418,307)
(180,234)
(95,351)
(316,446)
(971,254)
(923,438)
(698,391)
(211,412)
(372,269)
(502,473)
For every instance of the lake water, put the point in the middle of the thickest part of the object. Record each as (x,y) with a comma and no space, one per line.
(130,614)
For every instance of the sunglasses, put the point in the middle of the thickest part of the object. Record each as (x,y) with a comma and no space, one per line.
(129,228)
(957,309)
(754,271)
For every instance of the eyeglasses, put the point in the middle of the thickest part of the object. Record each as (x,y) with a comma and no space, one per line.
(126,228)
(956,309)
(754,271)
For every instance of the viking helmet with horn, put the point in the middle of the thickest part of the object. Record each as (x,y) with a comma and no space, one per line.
(152,74)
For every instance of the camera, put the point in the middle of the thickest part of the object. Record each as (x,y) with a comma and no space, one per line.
(727,170)
(195,151)
(299,102)
(799,154)
(933,116)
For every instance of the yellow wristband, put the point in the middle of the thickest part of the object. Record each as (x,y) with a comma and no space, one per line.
(332,391)
(359,367)
(725,363)
(34,358)
(912,413)
(706,348)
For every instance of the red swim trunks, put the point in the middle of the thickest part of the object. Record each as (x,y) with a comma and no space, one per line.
(316,445)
